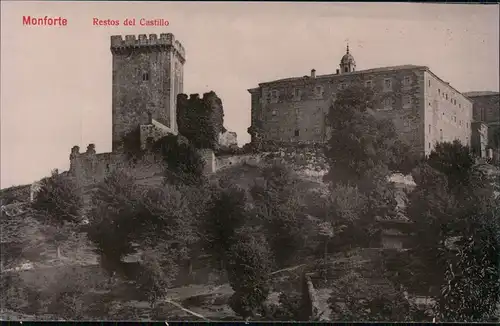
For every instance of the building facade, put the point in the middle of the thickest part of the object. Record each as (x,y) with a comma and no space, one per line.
(148,74)
(424,108)
(486,109)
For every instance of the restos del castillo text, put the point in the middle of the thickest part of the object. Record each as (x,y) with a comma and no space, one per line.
(130,22)
(44,21)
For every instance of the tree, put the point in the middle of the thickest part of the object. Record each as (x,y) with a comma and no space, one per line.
(248,268)
(59,199)
(278,204)
(225,214)
(360,140)
(454,251)
(471,288)
(184,164)
(58,206)
(114,218)
(356,298)
(159,269)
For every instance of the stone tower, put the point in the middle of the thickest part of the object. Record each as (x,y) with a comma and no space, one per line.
(147,76)
(347,63)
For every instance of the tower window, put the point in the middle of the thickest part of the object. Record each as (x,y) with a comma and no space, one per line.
(145,76)
(346,69)
(406,101)
(441,134)
(429,83)
(388,104)
(297,132)
(430,128)
(439,91)
(387,84)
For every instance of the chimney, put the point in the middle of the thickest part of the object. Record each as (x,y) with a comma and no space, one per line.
(338,71)
(313,73)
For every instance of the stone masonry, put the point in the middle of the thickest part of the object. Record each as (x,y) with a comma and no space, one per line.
(424,108)
(487,111)
(147,77)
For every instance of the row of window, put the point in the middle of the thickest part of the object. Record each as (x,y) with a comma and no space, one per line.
(273,95)
(450,98)
(296,132)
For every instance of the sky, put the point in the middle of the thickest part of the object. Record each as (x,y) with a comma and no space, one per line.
(56,81)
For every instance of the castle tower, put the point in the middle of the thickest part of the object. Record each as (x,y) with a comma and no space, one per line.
(147,76)
(347,63)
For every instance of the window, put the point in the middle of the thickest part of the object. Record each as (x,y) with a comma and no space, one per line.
(441,134)
(459,105)
(296,93)
(297,132)
(368,83)
(318,131)
(342,86)
(388,103)
(406,101)
(429,145)
(446,96)
(407,81)
(145,76)
(274,113)
(387,84)
(346,69)
(439,91)
(274,96)
(318,90)
(429,83)
(430,128)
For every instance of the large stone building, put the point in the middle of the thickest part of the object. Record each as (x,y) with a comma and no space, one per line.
(148,75)
(425,109)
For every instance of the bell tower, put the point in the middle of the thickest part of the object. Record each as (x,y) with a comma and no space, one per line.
(347,63)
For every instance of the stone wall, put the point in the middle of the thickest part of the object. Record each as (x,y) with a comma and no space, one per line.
(149,133)
(479,138)
(90,168)
(448,113)
(487,110)
(147,76)
(201,120)
(226,161)
(295,109)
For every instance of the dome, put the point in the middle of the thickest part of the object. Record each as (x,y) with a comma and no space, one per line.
(347,58)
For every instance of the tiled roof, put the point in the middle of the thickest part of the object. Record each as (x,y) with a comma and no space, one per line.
(367,71)
(480,93)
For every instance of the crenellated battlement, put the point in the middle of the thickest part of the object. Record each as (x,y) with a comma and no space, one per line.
(118,43)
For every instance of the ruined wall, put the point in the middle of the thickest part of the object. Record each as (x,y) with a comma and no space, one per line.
(147,76)
(201,120)
(152,132)
(448,114)
(228,139)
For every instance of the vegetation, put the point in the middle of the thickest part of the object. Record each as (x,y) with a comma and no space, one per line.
(252,234)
